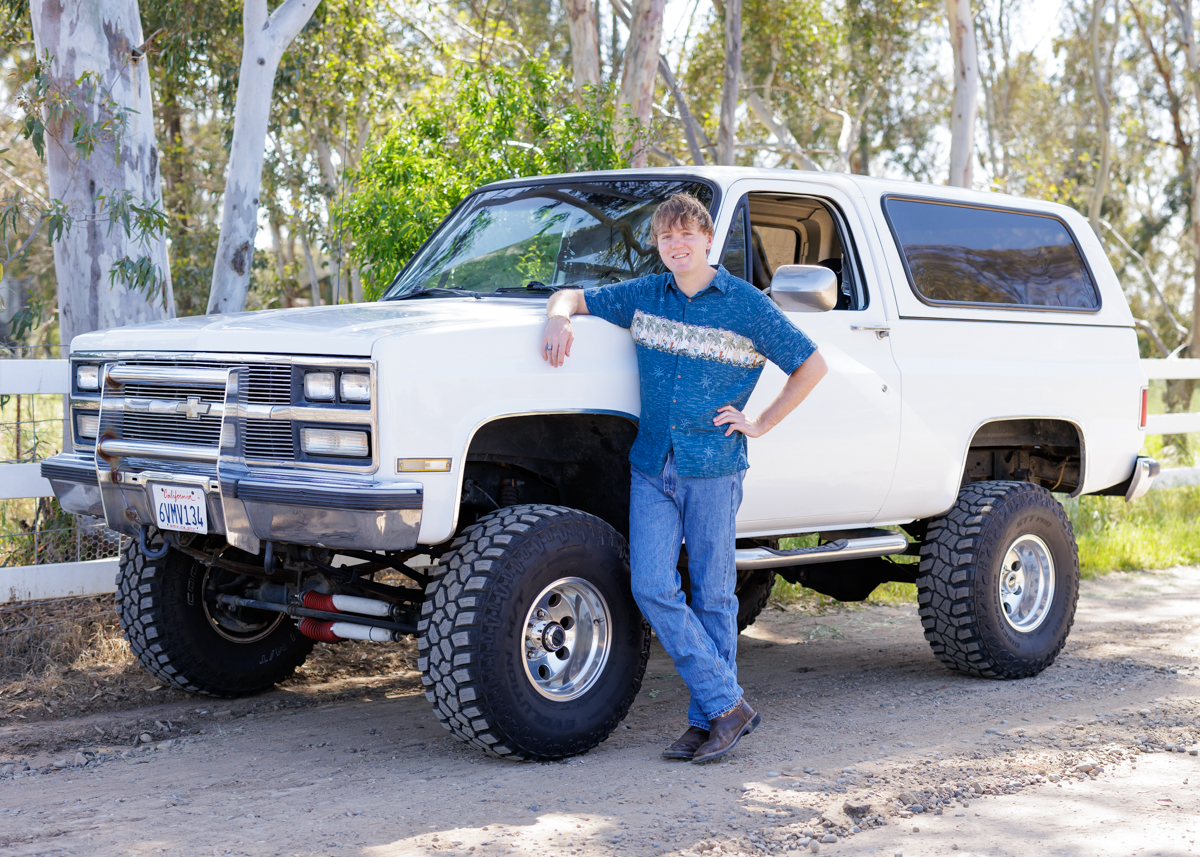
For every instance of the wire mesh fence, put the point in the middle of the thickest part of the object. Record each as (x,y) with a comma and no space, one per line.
(80,543)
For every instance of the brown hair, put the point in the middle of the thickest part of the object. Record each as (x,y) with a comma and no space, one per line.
(681,209)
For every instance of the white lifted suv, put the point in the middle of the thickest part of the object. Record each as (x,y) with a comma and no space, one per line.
(413,466)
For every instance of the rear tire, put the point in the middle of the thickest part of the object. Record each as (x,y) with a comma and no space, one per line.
(531,645)
(999,581)
(194,647)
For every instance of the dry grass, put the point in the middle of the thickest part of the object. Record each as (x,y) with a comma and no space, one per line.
(67,658)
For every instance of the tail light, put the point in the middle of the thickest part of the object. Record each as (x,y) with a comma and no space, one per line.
(1145,405)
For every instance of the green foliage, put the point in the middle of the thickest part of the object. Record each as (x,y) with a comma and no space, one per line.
(1160,530)
(475,126)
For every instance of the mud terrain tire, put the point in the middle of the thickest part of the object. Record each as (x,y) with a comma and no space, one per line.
(967,557)
(477,661)
(161,610)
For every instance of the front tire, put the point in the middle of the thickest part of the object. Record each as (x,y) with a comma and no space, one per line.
(999,580)
(183,639)
(531,645)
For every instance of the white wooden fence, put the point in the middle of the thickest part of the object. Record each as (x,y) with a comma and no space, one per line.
(93,577)
(17,481)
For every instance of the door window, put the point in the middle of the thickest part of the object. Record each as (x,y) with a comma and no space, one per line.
(787,229)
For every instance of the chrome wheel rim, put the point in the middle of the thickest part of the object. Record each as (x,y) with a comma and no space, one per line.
(566,639)
(236,624)
(1026,584)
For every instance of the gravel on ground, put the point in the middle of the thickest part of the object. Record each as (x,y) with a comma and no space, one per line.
(868,746)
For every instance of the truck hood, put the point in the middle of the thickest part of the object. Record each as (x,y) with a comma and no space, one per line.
(351,330)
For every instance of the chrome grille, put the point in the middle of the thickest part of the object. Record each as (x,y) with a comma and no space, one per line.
(266,440)
(270,383)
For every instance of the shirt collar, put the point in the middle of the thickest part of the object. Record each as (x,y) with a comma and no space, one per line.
(720,281)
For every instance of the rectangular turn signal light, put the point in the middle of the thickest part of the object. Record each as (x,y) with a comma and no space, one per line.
(422,465)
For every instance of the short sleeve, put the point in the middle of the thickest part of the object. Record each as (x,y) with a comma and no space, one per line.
(776,338)
(616,303)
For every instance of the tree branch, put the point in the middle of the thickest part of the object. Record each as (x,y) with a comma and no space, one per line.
(1179,328)
(787,142)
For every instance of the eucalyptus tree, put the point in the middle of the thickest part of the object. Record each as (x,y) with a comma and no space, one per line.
(266,37)
(964,110)
(89,112)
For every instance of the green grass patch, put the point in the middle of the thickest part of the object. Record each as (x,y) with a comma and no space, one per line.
(1158,531)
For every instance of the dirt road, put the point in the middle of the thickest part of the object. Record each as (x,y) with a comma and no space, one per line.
(868,746)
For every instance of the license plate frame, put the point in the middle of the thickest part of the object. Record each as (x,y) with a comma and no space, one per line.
(180,508)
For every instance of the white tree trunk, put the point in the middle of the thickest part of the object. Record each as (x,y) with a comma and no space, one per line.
(265,38)
(965,108)
(1187,25)
(583,24)
(100,36)
(636,95)
(1100,81)
(727,131)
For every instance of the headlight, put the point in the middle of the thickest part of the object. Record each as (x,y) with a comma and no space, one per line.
(318,441)
(319,386)
(88,425)
(87,378)
(356,388)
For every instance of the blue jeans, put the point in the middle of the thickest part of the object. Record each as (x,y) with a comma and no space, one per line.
(702,637)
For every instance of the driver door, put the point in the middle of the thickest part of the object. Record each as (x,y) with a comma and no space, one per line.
(830,462)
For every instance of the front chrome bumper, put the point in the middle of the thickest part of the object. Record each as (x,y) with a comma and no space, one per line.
(248,506)
(297,508)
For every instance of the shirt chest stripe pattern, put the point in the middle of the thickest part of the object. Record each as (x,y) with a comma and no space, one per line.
(694,340)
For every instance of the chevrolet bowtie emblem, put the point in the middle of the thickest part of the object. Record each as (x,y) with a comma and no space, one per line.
(193,408)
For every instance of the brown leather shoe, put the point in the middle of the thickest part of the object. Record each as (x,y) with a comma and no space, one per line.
(685,747)
(726,731)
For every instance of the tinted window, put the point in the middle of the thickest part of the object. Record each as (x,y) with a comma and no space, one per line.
(562,234)
(963,254)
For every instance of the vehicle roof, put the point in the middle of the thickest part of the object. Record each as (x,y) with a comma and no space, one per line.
(857,185)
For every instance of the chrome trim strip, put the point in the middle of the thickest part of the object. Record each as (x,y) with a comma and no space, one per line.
(753,558)
(116,448)
(167,375)
(278,413)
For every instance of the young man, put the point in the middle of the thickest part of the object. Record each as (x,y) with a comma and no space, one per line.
(702,338)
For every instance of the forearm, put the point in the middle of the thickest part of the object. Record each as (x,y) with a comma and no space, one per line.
(566,303)
(799,384)
(557,337)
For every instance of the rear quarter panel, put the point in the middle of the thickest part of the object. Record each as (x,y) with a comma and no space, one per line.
(965,366)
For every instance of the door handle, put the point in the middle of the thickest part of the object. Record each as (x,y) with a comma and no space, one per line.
(881,331)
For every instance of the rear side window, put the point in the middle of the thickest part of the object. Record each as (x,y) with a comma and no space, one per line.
(967,254)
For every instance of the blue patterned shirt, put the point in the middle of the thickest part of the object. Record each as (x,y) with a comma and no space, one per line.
(696,355)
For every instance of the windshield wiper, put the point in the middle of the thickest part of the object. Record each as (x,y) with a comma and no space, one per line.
(439,290)
(534,286)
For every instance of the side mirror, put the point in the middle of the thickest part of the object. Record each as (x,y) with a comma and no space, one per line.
(804,288)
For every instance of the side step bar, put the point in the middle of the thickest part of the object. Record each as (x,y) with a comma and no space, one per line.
(840,549)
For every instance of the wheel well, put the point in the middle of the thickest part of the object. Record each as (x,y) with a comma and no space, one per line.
(1046,452)
(576,460)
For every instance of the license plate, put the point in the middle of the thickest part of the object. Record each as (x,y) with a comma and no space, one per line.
(180,508)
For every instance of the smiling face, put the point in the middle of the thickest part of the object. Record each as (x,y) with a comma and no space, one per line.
(684,248)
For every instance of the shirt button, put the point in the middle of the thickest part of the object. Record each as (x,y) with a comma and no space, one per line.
(672,426)
(678,376)
(674,400)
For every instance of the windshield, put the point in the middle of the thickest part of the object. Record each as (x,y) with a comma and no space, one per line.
(560,235)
